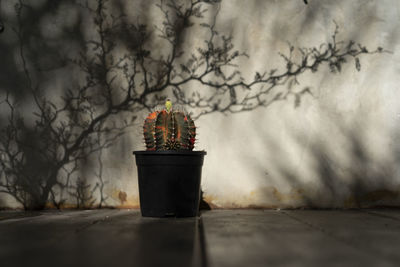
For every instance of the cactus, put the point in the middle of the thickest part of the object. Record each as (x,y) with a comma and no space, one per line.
(171,130)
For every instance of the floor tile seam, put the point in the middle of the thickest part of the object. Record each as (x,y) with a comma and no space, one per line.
(331,235)
(91,223)
(377,214)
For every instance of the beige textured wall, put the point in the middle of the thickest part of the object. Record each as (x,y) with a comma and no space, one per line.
(339,148)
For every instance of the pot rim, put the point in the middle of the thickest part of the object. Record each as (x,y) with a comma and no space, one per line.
(169,152)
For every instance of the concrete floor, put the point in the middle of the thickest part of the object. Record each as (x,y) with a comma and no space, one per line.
(218,238)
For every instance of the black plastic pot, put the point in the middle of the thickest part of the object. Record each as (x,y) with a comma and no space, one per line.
(169,182)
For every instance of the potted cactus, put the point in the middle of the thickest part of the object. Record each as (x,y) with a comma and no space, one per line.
(169,172)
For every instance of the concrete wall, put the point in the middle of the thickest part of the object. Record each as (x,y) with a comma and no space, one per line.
(338,148)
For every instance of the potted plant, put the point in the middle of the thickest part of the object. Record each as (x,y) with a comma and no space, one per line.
(169,172)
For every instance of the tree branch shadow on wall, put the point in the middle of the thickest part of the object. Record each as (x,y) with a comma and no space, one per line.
(120,73)
(344,173)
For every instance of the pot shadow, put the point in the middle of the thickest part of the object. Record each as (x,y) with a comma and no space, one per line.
(170,242)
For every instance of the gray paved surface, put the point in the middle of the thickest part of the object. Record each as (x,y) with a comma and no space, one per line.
(218,238)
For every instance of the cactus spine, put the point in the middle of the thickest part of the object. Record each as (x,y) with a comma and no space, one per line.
(171,130)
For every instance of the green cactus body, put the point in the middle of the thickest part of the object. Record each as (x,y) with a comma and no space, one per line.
(181,130)
(163,129)
(169,131)
(192,132)
(148,131)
